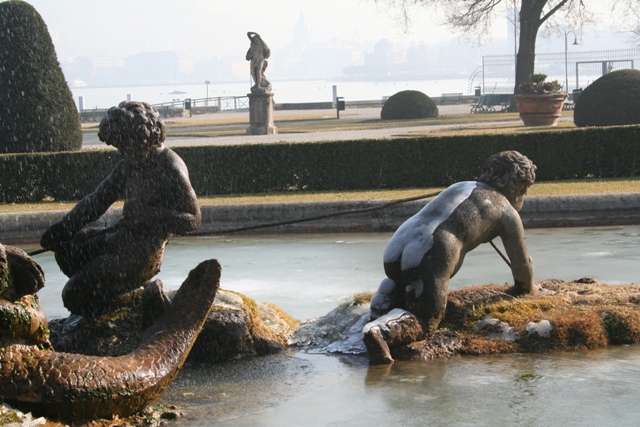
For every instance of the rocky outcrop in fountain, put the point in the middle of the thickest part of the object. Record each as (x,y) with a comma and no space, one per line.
(583,314)
(236,326)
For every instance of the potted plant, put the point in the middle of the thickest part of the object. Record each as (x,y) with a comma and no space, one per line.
(540,102)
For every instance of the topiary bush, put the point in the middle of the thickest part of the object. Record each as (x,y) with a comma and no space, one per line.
(37,112)
(613,99)
(408,104)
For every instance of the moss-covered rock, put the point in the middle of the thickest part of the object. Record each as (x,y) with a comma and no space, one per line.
(408,104)
(236,326)
(37,112)
(584,314)
(239,326)
(580,315)
(613,99)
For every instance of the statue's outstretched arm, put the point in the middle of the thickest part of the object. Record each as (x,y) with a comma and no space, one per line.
(89,209)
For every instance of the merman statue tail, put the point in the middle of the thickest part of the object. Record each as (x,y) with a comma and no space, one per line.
(72,386)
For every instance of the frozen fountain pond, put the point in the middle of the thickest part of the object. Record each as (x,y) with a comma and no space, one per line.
(308,275)
(598,388)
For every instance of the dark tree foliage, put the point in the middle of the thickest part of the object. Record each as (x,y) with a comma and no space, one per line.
(408,104)
(37,112)
(611,100)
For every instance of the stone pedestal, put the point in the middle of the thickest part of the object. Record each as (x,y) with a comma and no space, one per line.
(261,114)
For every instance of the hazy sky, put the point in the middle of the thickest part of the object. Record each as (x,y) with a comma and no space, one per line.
(202,29)
(214,27)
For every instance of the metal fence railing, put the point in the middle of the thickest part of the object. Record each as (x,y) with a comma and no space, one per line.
(176,107)
(223,103)
(575,70)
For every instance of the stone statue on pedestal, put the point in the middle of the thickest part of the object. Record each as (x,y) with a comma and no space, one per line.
(261,97)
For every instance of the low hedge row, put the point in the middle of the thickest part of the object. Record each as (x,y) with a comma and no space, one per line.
(345,165)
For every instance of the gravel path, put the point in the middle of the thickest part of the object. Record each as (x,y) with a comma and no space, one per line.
(91,141)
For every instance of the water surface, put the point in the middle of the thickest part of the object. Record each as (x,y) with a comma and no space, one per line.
(308,275)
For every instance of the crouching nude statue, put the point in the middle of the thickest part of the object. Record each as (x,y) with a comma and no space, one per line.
(107,267)
(429,248)
(69,386)
(258,54)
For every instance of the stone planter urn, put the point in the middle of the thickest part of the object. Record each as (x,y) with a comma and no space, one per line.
(540,109)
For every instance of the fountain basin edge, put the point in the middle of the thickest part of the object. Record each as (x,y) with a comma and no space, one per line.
(537,212)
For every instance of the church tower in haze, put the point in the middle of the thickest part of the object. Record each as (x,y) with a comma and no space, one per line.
(301,32)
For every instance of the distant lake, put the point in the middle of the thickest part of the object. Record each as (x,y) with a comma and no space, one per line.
(284,91)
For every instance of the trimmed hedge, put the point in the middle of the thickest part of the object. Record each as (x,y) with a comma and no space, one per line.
(345,165)
(64,176)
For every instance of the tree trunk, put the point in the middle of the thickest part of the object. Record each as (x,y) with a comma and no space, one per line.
(530,21)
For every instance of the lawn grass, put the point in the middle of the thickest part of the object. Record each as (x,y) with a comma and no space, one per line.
(296,122)
(490,128)
(588,186)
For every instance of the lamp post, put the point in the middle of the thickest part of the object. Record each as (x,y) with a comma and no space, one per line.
(206,82)
(566,49)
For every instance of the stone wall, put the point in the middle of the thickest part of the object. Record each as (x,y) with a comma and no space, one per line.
(537,212)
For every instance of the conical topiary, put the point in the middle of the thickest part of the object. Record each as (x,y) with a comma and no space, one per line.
(37,112)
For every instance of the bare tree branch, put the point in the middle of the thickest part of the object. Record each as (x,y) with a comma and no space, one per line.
(474,18)
(553,11)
